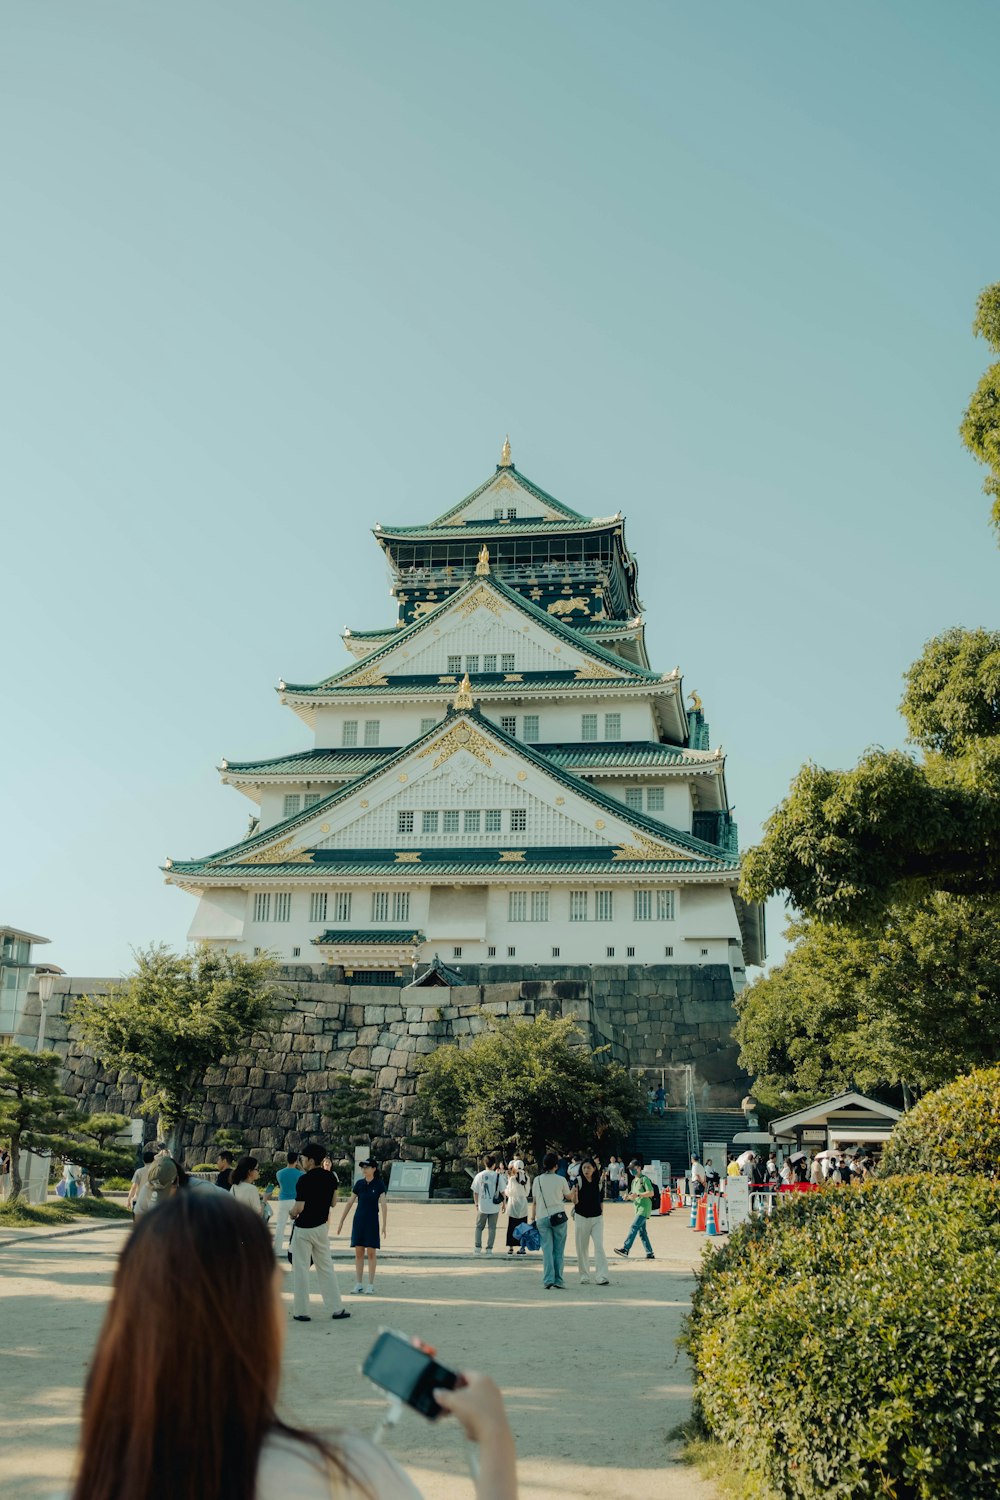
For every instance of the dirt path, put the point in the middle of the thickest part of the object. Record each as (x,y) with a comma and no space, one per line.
(591,1376)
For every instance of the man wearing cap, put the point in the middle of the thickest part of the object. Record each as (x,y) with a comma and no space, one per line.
(642,1196)
(315,1192)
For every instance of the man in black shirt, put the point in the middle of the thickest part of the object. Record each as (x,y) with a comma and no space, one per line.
(225,1165)
(315,1194)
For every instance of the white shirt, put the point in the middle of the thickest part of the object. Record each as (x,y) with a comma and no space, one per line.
(698,1172)
(247,1194)
(550,1194)
(516,1194)
(484,1185)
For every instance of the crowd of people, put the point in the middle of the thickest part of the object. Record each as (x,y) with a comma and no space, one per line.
(800,1168)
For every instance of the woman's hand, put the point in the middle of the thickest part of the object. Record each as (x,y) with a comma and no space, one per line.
(478,1405)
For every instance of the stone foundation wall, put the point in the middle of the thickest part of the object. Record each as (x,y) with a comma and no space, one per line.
(650,1018)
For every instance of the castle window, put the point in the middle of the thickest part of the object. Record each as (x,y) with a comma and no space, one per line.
(426,725)
(349,734)
(282,906)
(471,824)
(471,664)
(404,822)
(610,952)
(489,663)
(578,906)
(588,727)
(531,729)
(556,952)
(506,661)
(454,664)
(429,822)
(511,952)
(665,906)
(517,906)
(491,952)
(317,906)
(296,952)
(654,799)
(630,953)
(508,723)
(668,952)
(312,798)
(292,804)
(449,820)
(612,726)
(371,731)
(262,906)
(512,513)
(498,513)
(539,906)
(642,906)
(380,906)
(456,953)
(604,906)
(493,820)
(518,819)
(342,906)
(633,798)
(400,906)
(704,952)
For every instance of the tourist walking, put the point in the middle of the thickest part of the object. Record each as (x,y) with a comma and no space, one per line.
(660,1101)
(370,1204)
(488,1200)
(315,1194)
(245,1174)
(588,1221)
(615,1176)
(287,1177)
(516,1193)
(642,1196)
(139,1192)
(180,1397)
(224,1162)
(549,1196)
(697,1174)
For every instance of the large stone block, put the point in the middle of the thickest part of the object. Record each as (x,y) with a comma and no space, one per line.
(380,1056)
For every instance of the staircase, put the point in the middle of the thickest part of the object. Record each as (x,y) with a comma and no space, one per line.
(666,1139)
(720,1125)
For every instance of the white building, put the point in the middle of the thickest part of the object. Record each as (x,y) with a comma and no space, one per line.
(17,968)
(497,777)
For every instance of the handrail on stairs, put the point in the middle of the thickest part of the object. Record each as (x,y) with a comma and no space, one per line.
(691,1110)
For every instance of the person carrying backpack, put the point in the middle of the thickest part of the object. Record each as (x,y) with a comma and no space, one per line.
(642,1195)
(488,1199)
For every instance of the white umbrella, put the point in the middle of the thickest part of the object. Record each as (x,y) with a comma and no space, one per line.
(799,1156)
(747,1156)
(825,1155)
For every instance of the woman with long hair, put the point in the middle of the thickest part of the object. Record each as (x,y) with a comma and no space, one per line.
(588,1221)
(180,1399)
(242,1187)
(549,1196)
(516,1192)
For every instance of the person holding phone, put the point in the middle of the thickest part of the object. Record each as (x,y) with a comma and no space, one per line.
(550,1194)
(180,1398)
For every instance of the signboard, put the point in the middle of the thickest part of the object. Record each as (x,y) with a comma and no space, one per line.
(411,1179)
(737,1200)
(714,1152)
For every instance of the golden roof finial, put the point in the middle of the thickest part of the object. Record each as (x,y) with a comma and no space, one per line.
(463,698)
(483,565)
(695,702)
(506,462)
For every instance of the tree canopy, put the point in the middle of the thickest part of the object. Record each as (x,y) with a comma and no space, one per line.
(527,1084)
(35,1114)
(174,1018)
(980,427)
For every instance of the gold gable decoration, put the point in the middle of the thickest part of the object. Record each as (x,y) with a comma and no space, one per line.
(591,670)
(484,597)
(461,737)
(371,678)
(644,848)
(463,698)
(483,565)
(278,854)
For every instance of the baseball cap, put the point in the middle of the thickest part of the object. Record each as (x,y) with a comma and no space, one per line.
(368,1163)
(163,1173)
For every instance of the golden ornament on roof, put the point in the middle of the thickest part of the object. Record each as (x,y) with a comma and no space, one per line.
(483,565)
(506,462)
(463,698)
(695,702)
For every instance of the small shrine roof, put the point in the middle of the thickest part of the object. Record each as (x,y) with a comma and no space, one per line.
(378,936)
(524,483)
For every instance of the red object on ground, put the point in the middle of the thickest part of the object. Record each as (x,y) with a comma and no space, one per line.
(665,1204)
(699,1222)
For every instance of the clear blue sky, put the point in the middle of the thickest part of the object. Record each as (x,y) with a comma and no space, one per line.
(271,273)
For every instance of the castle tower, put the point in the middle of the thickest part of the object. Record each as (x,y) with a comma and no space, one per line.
(498,779)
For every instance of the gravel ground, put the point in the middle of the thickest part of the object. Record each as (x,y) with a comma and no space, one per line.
(591,1376)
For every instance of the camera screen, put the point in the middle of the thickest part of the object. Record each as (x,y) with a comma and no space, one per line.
(396,1366)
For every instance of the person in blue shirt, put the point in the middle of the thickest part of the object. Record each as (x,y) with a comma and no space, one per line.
(287,1178)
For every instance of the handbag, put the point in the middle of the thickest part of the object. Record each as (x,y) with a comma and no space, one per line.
(557,1218)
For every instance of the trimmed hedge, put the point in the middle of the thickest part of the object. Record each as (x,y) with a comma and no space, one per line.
(850,1344)
(954,1131)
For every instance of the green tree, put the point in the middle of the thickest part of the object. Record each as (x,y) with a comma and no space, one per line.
(35,1114)
(980,427)
(349,1114)
(527,1084)
(910,1003)
(847,845)
(174,1018)
(95,1148)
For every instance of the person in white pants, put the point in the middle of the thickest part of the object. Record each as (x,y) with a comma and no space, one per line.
(588,1219)
(315,1193)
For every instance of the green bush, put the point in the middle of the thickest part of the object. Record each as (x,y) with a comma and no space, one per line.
(955,1131)
(21,1214)
(116,1184)
(206,1166)
(850,1344)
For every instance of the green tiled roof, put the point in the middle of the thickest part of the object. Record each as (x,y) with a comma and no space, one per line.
(351,762)
(525,484)
(620,753)
(480,862)
(714,856)
(559,629)
(520,526)
(482,684)
(380,935)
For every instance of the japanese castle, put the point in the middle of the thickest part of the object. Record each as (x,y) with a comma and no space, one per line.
(498,781)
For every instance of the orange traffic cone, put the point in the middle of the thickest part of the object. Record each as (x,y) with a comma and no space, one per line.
(665,1204)
(699,1222)
(678,1198)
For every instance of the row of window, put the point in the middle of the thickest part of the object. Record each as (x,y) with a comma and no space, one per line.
(654,798)
(635,798)
(294,802)
(498,513)
(506,660)
(491,952)
(522,906)
(473,820)
(371,729)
